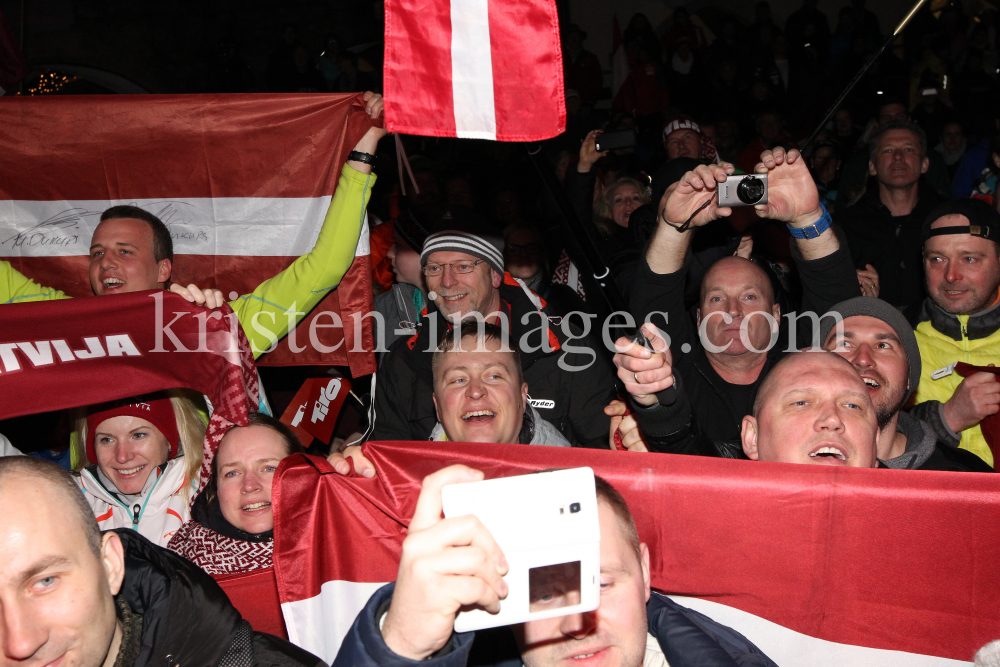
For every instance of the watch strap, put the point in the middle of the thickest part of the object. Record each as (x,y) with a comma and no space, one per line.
(358,156)
(815,229)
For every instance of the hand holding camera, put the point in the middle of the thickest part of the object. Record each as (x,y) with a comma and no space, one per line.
(791,193)
(446,564)
(693,198)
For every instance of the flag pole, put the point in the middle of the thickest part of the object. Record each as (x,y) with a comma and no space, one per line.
(588,260)
(864,70)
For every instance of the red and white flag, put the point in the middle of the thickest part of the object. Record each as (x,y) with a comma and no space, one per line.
(816,566)
(242,181)
(474,69)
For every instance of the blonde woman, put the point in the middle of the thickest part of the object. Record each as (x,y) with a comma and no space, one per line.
(143,456)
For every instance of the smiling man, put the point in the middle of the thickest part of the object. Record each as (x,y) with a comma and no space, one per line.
(878,341)
(71,596)
(132,251)
(960,320)
(480,394)
(448,563)
(813,408)
(466,278)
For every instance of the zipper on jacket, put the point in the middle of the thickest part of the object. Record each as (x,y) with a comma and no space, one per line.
(135,515)
(965,337)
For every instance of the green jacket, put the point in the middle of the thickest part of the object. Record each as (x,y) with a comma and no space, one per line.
(299,288)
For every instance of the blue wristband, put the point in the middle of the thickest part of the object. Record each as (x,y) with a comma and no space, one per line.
(814,230)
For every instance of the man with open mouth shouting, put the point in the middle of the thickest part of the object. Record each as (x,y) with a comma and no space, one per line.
(879,342)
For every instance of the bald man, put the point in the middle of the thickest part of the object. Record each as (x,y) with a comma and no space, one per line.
(73,596)
(813,407)
(734,338)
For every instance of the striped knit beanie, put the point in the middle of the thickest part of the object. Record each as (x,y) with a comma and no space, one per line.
(486,248)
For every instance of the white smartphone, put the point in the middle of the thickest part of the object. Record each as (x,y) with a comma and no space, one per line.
(547,526)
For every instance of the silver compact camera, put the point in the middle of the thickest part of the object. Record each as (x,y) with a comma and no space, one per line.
(743,190)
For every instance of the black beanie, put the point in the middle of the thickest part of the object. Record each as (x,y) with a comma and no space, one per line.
(870,306)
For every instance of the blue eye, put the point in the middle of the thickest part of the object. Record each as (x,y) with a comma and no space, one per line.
(270,468)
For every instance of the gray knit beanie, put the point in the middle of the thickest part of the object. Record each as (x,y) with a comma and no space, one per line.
(870,306)
(486,248)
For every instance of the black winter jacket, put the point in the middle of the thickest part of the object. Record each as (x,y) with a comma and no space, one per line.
(687,638)
(188,620)
(572,401)
(825,282)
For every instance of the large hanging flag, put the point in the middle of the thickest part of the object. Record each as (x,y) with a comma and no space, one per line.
(243,182)
(475,69)
(819,567)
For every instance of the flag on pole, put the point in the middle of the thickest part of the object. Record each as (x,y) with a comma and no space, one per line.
(474,69)
(816,566)
(243,182)
(619,61)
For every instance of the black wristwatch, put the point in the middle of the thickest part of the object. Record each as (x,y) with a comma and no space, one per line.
(358,156)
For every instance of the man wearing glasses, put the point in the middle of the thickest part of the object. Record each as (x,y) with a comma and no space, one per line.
(569,384)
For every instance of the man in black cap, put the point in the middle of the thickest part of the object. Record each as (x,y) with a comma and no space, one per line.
(879,343)
(569,383)
(960,319)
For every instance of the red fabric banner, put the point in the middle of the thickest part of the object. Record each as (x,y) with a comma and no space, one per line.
(471,68)
(57,355)
(242,181)
(899,560)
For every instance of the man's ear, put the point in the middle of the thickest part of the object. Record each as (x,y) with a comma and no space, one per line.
(878,436)
(871,168)
(644,561)
(524,394)
(437,410)
(163,270)
(924,165)
(113,560)
(748,434)
(497,278)
(776,311)
(697,313)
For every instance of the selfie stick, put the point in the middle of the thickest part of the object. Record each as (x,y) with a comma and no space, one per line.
(864,70)
(590,261)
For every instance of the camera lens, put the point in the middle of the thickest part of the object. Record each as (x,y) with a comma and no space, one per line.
(750,190)
(574,508)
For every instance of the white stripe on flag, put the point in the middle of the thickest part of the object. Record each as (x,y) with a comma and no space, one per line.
(472,70)
(787,647)
(319,624)
(235,226)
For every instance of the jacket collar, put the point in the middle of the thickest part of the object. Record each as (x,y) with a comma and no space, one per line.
(184,612)
(920,443)
(980,325)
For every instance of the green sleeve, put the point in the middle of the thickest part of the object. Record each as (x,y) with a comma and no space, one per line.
(311,277)
(15,287)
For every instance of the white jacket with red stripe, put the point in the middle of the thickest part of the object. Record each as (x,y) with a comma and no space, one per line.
(159,512)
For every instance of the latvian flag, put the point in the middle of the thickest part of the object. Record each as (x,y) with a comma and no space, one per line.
(818,567)
(474,69)
(242,181)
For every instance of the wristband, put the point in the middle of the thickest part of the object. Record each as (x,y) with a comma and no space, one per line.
(815,229)
(358,156)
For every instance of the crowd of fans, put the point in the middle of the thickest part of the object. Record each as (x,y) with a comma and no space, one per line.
(822,327)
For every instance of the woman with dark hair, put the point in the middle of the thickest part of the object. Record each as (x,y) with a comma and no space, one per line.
(232,524)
